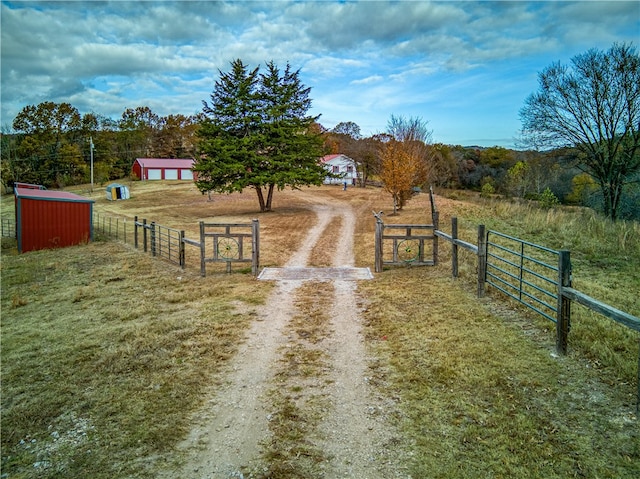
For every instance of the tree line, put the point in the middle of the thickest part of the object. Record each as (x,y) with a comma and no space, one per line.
(50,143)
(580,143)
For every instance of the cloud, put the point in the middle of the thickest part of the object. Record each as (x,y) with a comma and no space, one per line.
(363,60)
(368,80)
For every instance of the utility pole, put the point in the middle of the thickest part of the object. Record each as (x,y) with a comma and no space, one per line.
(91,146)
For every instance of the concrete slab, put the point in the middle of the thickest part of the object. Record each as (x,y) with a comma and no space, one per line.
(317,274)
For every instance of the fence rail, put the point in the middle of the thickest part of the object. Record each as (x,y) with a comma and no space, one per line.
(520,270)
(115,227)
(221,243)
(8,227)
(163,241)
(560,282)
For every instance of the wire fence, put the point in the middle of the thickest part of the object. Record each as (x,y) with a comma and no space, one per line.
(8,227)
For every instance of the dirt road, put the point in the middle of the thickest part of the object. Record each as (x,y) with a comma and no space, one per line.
(354,433)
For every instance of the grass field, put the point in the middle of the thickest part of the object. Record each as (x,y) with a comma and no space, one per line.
(107,352)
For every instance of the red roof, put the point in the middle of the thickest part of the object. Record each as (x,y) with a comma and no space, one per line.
(50,195)
(326,158)
(181,163)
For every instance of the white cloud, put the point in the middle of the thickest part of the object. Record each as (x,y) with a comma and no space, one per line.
(367,81)
(363,60)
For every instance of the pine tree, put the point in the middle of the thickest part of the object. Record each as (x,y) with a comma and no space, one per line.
(258,134)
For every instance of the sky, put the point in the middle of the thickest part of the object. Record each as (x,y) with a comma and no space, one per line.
(466,68)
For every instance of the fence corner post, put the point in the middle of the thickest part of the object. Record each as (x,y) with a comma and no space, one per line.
(563,314)
(482,260)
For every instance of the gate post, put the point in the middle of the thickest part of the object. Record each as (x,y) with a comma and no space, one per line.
(482,260)
(203,271)
(255,246)
(436,223)
(563,316)
(378,245)
(454,246)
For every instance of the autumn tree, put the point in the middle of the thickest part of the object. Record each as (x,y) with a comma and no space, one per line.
(46,142)
(593,106)
(406,158)
(176,137)
(138,130)
(398,172)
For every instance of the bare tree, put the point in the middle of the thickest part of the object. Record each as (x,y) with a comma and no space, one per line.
(594,107)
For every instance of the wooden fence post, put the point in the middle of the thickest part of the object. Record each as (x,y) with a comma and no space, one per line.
(378,245)
(433,204)
(454,247)
(181,254)
(563,315)
(482,260)
(255,245)
(135,232)
(436,222)
(203,270)
(153,238)
(144,234)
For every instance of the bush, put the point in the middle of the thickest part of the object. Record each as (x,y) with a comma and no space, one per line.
(487,190)
(548,199)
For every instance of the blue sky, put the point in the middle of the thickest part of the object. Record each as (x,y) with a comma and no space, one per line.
(465,67)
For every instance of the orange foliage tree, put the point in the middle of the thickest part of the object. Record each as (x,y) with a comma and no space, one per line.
(399,169)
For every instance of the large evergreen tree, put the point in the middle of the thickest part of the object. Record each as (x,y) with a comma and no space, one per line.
(257,134)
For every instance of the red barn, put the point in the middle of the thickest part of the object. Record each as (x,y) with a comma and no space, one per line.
(163,168)
(51,219)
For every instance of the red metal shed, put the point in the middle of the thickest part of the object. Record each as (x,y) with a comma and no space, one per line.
(51,219)
(163,168)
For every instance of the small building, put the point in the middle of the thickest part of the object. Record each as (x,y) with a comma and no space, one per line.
(163,168)
(51,219)
(29,186)
(340,165)
(116,191)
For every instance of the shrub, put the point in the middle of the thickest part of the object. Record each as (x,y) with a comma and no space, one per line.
(487,190)
(548,199)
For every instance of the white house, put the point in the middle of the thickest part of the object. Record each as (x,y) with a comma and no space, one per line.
(341,165)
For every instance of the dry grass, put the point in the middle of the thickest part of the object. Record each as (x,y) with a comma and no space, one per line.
(106,352)
(110,339)
(298,400)
(483,394)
